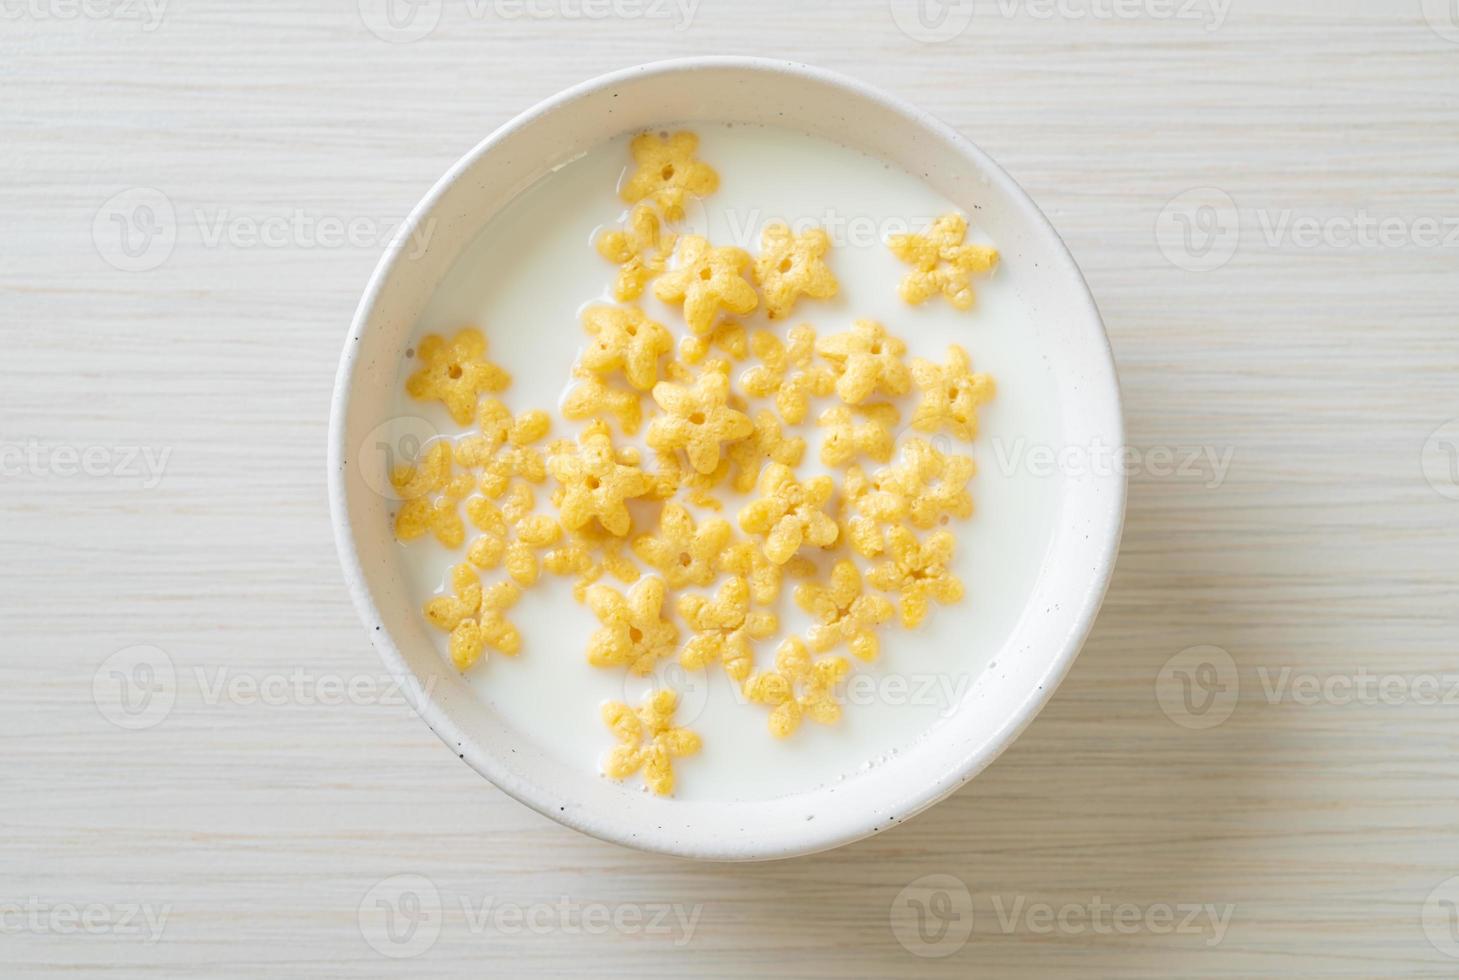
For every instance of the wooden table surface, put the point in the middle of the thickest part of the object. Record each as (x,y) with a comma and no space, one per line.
(1251,770)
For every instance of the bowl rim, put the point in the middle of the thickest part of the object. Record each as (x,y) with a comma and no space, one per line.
(781,845)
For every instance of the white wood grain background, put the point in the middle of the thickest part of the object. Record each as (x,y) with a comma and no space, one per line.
(259,828)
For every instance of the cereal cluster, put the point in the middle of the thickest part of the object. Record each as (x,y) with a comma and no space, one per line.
(670,563)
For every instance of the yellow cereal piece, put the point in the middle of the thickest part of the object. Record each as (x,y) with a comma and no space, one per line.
(685,554)
(727,336)
(511,534)
(648,740)
(706,280)
(941,262)
(626,340)
(788,513)
(455,373)
(866,359)
(724,627)
(504,449)
(766,443)
(847,438)
(790,266)
(933,484)
(951,394)
(640,249)
(843,612)
(590,554)
(595,484)
(592,398)
(634,634)
(475,617)
(666,171)
(429,493)
(788,373)
(918,571)
(697,418)
(798,688)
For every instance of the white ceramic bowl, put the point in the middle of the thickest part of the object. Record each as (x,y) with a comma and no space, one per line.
(1075,570)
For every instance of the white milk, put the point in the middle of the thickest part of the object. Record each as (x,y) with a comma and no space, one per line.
(524,281)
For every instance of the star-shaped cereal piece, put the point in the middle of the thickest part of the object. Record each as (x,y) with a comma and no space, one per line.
(455,373)
(504,448)
(592,398)
(788,513)
(790,266)
(789,373)
(745,560)
(596,483)
(475,616)
(511,534)
(626,340)
(673,475)
(640,249)
(919,571)
(866,359)
(951,394)
(724,628)
(941,262)
(868,505)
(429,493)
(846,438)
(634,633)
(648,740)
(706,280)
(727,336)
(798,687)
(843,612)
(590,553)
(667,170)
(685,554)
(932,483)
(697,418)
(767,443)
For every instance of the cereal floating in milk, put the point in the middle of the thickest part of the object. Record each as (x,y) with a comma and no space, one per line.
(941,262)
(697,418)
(724,626)
(475,617)
(790,266)
(706,280)
(788,373)
(789,514)
(951,394)
(798,687)
(667,170)
(640,249)
(637,523)
(634,633)
(647,740)
(456,373)
(625,340)
(866,360)
(844,612)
